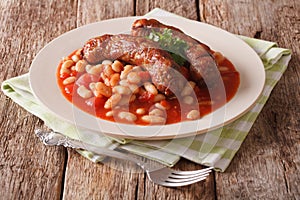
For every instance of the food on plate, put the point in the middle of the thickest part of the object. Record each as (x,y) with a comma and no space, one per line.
(155,75)
(139,51)
(202,63)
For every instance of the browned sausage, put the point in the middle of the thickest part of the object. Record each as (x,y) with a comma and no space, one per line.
(203,65)
(139,51)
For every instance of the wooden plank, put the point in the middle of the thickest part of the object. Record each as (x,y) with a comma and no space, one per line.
(267,165)
(93,11)
(28,170)
(186,8)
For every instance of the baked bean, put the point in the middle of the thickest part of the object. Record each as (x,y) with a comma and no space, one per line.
(140,111)
(133,77)
(80,66)
(153,119)
(159,97)
(136,69)
(64,71)
(188,100)
(67,64)
(124,82)
(132,98)
(103,89)
(121,90)
(188,88)
(223,68)
(117,66)
(75,58)
(127,116)
(109,113)
(150,88)
(78,52)
(69,80)
(84,92)
(124,101)
(158,105)
(108,71)
(157,112)
(125,72)
(218,57)
(107,82)
(107,62)
(88,67)
(92,86)
(114,79)
(134,88)
(193,114)
(112,101)
(96,69)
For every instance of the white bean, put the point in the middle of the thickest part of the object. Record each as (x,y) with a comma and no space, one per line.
(127,116)
(114,79)
(223,68)
(109,114)
(96,70)
(188,100)
(64,71)
(88,67)
(125,72)
(67,64)
(117,66)
(140,111)
(75,58)
(193,114)
(159,97)
(80,66)
(84,92)
(188,88)
(150,88)
(69,80)
(108,71)
(158,105)
(103,89)
(153,119)
(123,82)
(156,112)
(112,101)
(107,62)
(134,88)
(121,90)
(133,77)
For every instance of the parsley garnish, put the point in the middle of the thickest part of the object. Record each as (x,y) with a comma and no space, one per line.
(175,46)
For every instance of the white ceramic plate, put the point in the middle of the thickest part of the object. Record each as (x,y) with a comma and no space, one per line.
(44,85)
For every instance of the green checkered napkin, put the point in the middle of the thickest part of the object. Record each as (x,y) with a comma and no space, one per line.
(215,148)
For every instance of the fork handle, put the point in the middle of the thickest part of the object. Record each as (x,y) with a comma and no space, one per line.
(57,139)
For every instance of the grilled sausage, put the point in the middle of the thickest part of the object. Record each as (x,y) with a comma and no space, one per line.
(202,63)
(139,51)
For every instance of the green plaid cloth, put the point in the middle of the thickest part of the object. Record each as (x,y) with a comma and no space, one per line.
(215,148)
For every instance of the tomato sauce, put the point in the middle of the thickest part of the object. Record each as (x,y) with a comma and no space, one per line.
(176,113)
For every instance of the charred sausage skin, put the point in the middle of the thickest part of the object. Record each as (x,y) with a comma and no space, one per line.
(139,51)
(202,63)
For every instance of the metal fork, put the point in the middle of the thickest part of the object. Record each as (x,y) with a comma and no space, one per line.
(160,175)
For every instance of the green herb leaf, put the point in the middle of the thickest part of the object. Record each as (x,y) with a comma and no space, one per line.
(168,42)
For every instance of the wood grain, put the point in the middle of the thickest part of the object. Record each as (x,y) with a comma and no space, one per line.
(28,170)
(265,166)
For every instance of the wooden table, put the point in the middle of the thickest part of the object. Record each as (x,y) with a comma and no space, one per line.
(267,165)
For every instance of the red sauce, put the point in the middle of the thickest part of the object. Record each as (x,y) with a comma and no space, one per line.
(176,113)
